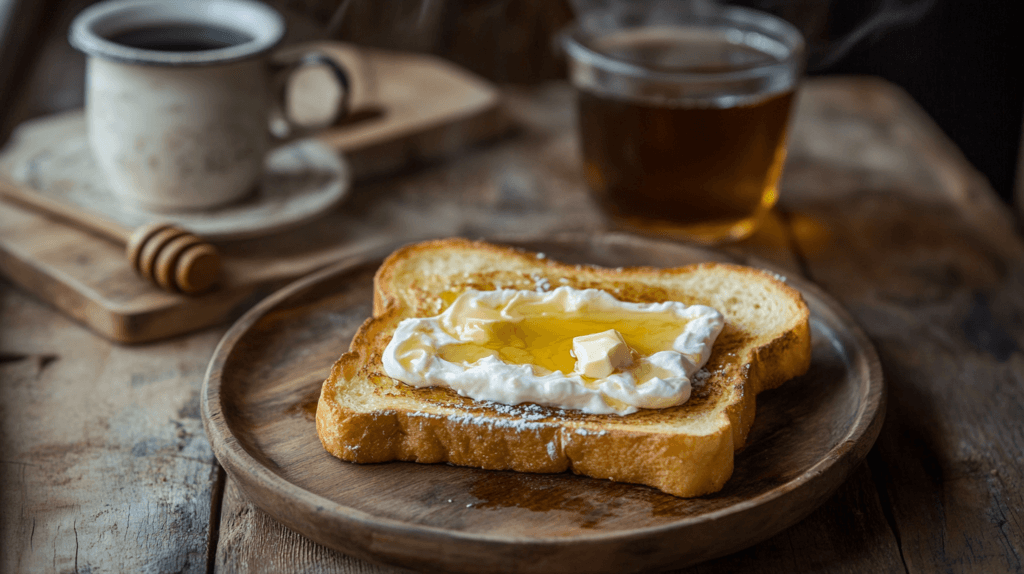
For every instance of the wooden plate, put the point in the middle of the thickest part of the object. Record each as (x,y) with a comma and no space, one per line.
(264,380)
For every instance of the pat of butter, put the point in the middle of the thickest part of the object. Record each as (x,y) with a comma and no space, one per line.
(601,354)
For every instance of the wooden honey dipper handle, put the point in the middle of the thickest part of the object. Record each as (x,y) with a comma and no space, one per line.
(174,259)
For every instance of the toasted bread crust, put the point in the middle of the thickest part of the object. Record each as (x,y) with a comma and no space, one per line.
(364,416)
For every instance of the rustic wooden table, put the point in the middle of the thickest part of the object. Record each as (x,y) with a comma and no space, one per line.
(104,465)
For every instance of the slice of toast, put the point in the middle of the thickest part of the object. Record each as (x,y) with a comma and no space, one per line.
(364,416)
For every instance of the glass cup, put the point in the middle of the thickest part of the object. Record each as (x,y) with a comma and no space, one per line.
(683,114)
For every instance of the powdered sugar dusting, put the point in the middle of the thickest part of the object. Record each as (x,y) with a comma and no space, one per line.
(540,283)
(488,421)
(527,411)
(701,377)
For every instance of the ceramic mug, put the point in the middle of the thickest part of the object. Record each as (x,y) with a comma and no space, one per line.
(180,96)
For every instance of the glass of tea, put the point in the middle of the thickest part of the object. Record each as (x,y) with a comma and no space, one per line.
(683,112)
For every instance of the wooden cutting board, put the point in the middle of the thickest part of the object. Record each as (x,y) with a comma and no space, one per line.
(415,108)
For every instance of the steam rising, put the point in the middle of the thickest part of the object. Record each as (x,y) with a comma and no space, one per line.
(812,17)
(889,15)
(396,9)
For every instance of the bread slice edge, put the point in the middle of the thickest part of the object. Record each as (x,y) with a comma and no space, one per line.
(684,465)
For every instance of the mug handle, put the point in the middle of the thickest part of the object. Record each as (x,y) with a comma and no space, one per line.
(281,70)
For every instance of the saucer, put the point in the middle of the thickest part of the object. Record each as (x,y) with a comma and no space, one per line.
(300,181)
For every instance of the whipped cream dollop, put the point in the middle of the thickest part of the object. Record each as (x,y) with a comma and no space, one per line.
(511,347)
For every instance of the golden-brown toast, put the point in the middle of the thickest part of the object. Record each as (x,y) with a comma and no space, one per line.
(365,416)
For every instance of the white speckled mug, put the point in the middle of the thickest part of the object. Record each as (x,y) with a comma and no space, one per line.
(180,96)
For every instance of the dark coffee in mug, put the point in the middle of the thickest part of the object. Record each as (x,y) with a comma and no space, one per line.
(180,96)
(179,38)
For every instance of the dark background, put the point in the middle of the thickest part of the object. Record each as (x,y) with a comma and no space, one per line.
(964,63)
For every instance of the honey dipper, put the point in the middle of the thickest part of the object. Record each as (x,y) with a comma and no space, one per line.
(172,258)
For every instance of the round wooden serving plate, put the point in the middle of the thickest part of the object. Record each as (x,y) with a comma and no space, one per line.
(264,380)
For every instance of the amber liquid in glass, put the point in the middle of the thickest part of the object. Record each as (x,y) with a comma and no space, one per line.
(685,168)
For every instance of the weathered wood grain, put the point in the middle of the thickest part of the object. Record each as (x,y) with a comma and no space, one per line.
(252,541)
(929,263)
(868,176)
(431,110)
(103,462)
(846,535)
(843,536)
(265,377)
